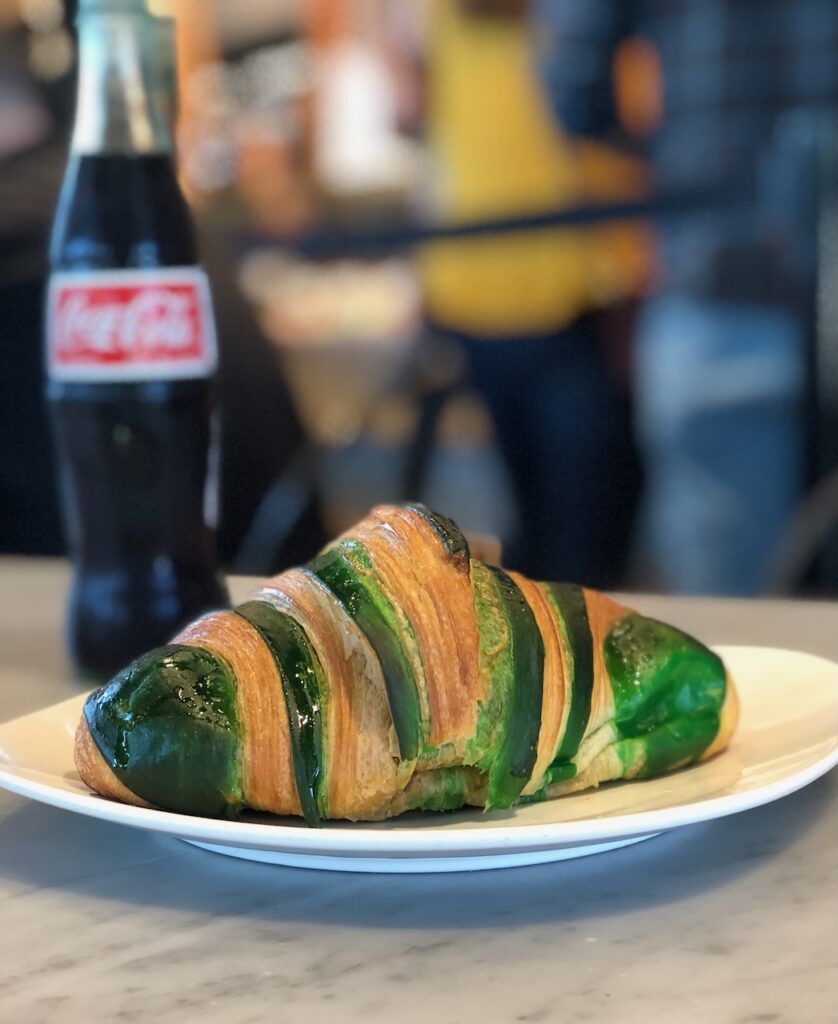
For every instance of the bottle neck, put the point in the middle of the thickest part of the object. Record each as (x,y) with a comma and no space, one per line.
(120,106)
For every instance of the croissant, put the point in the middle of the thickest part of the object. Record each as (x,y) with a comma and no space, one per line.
(396,673)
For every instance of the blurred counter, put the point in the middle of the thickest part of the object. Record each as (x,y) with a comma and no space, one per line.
(730,921)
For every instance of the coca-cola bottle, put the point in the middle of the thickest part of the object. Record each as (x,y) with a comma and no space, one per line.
(130,357)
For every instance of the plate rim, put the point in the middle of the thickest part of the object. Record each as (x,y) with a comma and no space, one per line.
(364,839)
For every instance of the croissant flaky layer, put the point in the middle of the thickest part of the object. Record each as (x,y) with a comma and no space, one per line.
(396,673)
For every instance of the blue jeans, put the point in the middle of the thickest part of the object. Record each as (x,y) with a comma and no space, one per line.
(564,433)
(719,393)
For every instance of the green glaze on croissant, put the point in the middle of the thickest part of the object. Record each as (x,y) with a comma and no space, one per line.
(394,673)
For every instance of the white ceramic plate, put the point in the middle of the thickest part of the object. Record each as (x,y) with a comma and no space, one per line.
(787,737)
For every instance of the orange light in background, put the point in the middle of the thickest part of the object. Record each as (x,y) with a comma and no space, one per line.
(197,36)
(196,44)
(638,86)
(328,22)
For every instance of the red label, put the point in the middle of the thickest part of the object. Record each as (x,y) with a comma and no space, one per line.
(130,325)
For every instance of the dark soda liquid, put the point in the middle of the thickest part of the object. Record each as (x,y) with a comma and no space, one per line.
(137,460)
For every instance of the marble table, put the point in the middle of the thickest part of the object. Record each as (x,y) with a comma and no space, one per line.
(731,921)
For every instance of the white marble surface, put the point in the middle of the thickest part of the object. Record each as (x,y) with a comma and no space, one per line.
(733,921)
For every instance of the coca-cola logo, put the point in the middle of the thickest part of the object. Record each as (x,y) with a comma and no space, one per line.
(139,322)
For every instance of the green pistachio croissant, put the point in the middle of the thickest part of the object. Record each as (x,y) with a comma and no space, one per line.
(395,673)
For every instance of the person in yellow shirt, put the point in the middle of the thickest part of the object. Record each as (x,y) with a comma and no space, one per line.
(527,306)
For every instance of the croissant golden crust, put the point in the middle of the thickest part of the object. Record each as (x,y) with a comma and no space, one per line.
(395,673)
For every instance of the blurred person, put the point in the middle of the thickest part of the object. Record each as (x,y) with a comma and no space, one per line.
(535,309)
(721,350)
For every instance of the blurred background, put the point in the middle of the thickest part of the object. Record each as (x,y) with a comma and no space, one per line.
(566,271)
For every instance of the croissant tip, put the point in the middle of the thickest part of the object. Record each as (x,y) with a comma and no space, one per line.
(729,719)
(95,772)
